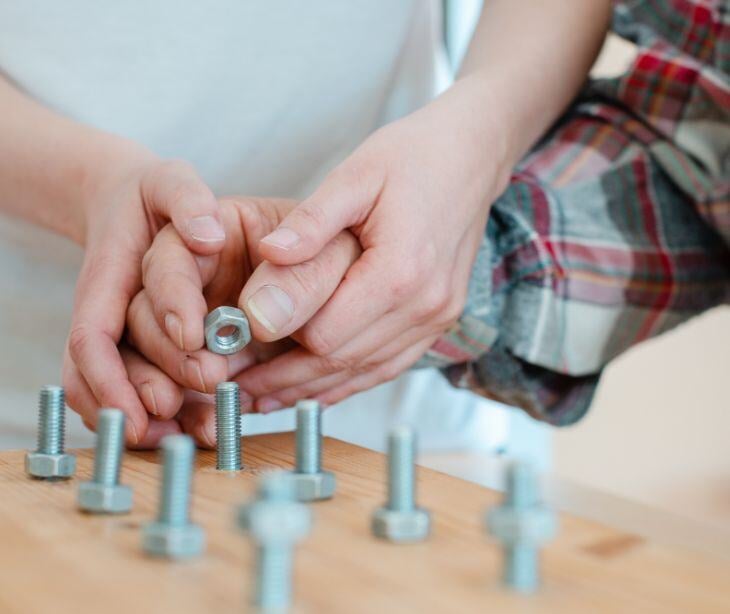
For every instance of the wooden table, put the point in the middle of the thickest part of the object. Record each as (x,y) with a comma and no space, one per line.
(56,559)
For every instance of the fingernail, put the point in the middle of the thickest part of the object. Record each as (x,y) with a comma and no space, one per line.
(268,405)
(173,325)
(193,372)
(283,238)
(206,229)
(146,391)
(272,307)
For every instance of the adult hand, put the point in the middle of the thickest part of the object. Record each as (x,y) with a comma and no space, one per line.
(180,285)
(124,210)
(417,195)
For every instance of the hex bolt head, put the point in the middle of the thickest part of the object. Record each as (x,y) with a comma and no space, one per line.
(225,317)
(103,494)
(50,461)
(172,535)
(310,483)
(521,523)
(400,520)
(275,522)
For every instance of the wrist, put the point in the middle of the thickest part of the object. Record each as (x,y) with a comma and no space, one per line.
(106,162)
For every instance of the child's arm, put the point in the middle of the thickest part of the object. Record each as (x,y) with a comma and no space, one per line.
(110,195)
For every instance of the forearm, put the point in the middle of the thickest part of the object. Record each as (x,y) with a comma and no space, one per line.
(527,60)
(50,165)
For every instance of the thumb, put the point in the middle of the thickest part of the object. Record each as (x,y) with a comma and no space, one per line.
(343,200)
(174,190)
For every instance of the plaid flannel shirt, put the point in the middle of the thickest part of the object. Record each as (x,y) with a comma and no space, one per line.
(615,228)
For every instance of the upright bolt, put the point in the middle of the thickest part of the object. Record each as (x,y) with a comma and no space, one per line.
(49,460)
(275,522)
(172,535)
(310,482)
(521,523)
(104,493)
(400,520)
(228,427)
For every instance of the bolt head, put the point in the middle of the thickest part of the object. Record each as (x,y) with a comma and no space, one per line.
(102,499)
(535,524)
(313,486)
(163,540)
(48,466)
(401,527)
(223,317)
(275,522)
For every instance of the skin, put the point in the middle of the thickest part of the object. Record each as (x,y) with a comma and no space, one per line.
(422,185)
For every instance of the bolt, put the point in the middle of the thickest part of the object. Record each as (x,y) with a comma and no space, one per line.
(309,481)
(275,522)
(228,427)
(172,535)
(50,460)
(104,493)
(400,520)
(521,523)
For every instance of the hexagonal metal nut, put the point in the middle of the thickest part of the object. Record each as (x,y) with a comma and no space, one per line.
(164,540)
(40,465)
(102,499)
(402,527)
(313,486)
(221,318)
(532,525)
(275,522)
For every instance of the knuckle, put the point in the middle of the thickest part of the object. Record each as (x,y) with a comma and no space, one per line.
(433,305)
(78,341)
(388,372)
(317,341)
(310,215)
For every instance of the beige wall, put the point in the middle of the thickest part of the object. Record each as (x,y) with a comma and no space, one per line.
(659,429)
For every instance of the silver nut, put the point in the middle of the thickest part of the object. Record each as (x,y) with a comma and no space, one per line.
(532,525)
(161,539)
(41,465)
(224,317)
(313,486)
(275,521)
(103,499)
(397,526)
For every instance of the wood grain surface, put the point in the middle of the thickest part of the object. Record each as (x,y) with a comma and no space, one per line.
(55,559)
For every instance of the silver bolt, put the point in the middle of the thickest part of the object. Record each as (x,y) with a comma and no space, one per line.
(104,493)
(50,460)
(172,534)
(228,427)
(400,520)
(310,482)
(275,522)
(521,523)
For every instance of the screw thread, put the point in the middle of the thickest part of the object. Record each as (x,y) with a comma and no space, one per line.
(521,567)
(273,576)
(401,469)
(521,485)
(51,420)
(309,437)
(109,443)
(228,426)
(178,453)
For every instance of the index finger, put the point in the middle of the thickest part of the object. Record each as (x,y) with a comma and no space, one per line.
(108,279)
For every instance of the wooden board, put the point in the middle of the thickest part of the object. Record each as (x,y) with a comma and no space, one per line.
(56,559)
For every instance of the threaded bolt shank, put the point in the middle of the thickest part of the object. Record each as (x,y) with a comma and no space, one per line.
(51,420)
(110,441)
(273,576)
(228,426)
(178,453)
(308,437)
(401,469)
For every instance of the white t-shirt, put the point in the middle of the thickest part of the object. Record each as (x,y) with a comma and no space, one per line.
(264,98)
